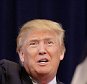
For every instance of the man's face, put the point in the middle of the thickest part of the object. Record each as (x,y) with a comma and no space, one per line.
(41,52)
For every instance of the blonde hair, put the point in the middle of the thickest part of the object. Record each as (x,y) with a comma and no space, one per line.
(40,24)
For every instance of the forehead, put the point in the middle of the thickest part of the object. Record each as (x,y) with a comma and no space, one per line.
(41,34)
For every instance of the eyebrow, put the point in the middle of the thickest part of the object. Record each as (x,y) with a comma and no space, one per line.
(33,40)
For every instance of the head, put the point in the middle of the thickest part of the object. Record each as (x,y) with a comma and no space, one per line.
(40,45)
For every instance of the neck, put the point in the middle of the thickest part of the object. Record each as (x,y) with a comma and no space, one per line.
(43,79)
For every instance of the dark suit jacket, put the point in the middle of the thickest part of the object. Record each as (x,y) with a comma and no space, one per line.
(13,73)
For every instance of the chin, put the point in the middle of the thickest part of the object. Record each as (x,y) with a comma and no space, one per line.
(43,70)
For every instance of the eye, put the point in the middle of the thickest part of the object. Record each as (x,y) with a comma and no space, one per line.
(50,42)
(33,44)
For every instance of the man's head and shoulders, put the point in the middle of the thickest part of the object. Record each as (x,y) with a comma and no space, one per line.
(40,45)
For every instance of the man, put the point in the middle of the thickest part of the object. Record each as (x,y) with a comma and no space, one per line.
(40,46)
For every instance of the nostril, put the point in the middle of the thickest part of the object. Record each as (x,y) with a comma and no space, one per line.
(42,53)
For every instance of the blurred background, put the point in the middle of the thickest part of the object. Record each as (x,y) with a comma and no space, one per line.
(72,14)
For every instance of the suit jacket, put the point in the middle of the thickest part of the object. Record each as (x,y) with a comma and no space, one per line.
(13,73)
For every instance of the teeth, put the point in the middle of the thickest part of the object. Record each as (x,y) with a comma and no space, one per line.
(43,61)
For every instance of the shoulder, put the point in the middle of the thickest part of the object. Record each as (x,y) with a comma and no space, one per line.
(9,72)
(6,64)
(5,61)
(80,75)
(8,67)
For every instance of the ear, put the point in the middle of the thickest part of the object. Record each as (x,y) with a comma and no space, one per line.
(62,56)
(21,55)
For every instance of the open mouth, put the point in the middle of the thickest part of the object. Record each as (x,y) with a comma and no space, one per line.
(44,60)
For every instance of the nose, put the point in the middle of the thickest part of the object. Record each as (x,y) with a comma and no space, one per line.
(42,49)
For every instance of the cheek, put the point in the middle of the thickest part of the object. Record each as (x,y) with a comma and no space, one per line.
(55,59)
(55,52)
(28,60)
(55,56)
(29,55)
